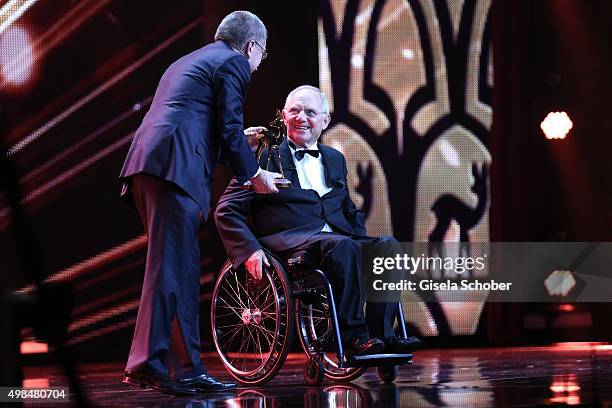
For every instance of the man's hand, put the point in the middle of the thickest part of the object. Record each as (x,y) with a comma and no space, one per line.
(264,182)
(254,263)
(254,135)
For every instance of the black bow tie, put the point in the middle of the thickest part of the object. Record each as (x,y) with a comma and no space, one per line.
(299,154)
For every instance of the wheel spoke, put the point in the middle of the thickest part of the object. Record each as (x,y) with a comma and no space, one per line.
(231,325)
(271,303)
(232,308)
(234,297)
(246,293)
(229,342)
(224,314)
(250,345)
(261,293)
(242,330)
(259,346)
(236,293)
(268,338)
(232,332)
(321,311)
(238,285)
(240,349)
(268,332)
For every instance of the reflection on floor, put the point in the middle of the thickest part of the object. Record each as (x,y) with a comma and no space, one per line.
(572,374)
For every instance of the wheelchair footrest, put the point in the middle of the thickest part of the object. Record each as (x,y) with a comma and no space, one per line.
(376,360)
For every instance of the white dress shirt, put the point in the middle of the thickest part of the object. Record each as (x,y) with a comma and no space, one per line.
(311,174)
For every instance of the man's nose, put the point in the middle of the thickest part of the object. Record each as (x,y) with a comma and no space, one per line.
(302,116)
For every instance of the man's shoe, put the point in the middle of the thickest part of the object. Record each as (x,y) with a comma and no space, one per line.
(400,345)
(158,382)
(363,346)
(206,383)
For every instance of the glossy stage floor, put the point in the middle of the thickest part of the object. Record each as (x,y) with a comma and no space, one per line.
(565,374)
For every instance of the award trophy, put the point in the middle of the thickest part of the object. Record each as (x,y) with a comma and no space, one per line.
(272,139)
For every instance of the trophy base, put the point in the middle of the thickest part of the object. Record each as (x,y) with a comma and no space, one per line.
(282,183)
(279,183)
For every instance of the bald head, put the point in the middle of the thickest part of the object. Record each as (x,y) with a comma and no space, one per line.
(306,115)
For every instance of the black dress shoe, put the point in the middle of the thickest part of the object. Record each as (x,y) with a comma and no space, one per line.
(363,346)
(159,383)
(400,345)
(206,383)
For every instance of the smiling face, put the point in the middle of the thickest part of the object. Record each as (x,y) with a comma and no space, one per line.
(304,117)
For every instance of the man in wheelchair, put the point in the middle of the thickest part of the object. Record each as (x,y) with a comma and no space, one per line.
(314,218)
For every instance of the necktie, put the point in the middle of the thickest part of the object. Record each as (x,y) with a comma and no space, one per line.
(299,154)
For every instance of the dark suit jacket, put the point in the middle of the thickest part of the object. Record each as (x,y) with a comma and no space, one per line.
(247,221)
(195,117)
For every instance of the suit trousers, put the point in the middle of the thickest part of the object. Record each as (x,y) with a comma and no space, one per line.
(167,336)
(339,257)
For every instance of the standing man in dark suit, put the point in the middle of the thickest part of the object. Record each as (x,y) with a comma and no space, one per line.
(316,217)
(195,118)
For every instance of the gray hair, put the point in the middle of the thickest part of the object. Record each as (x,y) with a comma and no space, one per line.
(240,27)
(324,101)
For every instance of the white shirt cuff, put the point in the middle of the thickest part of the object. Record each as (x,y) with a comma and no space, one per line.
(254,175)
(257,172)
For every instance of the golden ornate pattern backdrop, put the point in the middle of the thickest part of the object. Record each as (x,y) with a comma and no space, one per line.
(410,84)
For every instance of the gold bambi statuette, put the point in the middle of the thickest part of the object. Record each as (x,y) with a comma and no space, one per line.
(272,139)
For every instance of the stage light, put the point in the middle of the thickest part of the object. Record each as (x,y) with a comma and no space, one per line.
(408,54)
(16,56)
(565,389)
(567,308)
(33,347)
(35,383)
(556,125)
(357,61)
(582,345)
(12,10)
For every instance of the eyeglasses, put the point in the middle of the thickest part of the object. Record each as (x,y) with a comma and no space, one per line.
(264,53)
(311,113)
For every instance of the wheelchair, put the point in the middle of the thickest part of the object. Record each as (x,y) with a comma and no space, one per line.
(253,324)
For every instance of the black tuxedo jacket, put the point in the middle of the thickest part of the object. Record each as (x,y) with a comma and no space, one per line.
(246,221)
(194,119)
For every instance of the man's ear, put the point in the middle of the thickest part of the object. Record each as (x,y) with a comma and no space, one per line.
(248,49)
(326,121)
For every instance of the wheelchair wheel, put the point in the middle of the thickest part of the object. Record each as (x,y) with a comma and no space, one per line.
(313,371)
(387,373)
(252,322)
(314,323)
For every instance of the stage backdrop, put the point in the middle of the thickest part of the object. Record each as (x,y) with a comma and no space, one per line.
(409,83)
(410,86)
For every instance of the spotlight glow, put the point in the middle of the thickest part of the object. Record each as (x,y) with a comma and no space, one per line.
(407,53)
(556,125)
(567,308)
(16,57)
